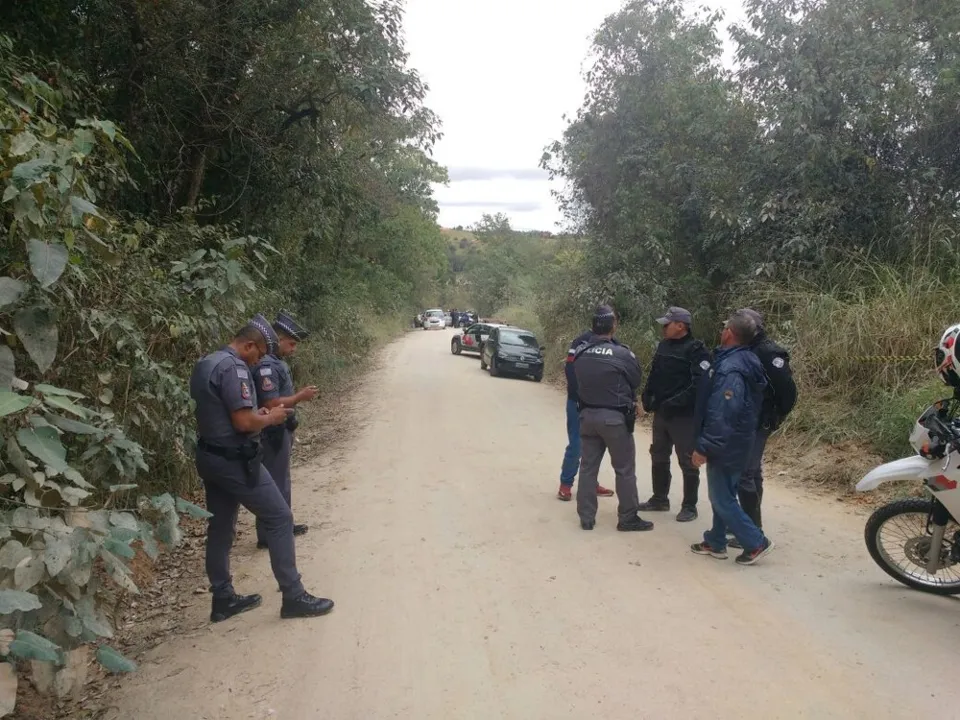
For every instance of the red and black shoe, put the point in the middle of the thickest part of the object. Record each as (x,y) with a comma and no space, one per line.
(565,493)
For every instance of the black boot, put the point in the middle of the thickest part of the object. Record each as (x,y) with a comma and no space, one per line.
(300,529)
(227,607)
(306,605)
(634,524)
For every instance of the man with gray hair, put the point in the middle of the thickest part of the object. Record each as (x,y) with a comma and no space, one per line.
(779,397)
(727,409)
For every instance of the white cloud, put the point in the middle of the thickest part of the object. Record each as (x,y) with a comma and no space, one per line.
(502,74)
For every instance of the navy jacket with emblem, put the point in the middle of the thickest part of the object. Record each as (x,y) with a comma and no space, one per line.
(728,407)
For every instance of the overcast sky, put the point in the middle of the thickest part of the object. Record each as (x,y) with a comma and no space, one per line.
(502,73)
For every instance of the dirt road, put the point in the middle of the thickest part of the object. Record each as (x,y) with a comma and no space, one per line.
(464,589)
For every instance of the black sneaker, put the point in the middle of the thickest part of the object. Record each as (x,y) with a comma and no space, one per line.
(224,608)
(587,524)
(749,557)
(306,605)
(704,548)
(300,529)
(655,505)
(687,514)
(636,524)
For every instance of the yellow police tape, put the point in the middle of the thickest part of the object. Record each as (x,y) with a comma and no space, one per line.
(893,358)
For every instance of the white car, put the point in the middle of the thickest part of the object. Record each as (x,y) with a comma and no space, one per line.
(433,320)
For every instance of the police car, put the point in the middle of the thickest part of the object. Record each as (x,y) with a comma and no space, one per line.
(472,338)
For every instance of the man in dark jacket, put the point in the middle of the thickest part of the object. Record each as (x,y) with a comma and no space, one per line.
(727,411)
(670,393)
(779,397)
(608,379)
(571,456)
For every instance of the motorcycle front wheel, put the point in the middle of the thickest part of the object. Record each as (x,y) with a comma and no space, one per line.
(899,540)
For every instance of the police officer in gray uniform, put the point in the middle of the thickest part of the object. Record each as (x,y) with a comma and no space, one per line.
(229,463)
(608,376)
(275,388)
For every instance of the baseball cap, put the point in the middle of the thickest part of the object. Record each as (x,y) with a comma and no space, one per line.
(676,314)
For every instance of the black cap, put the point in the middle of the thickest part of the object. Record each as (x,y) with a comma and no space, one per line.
(285,323)
(676,314)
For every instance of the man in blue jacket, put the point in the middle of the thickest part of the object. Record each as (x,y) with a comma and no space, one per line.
(729,401)
(571,456)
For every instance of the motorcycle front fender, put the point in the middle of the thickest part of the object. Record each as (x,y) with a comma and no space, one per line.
(911,468)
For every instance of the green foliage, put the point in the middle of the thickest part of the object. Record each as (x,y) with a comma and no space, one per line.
(282,160)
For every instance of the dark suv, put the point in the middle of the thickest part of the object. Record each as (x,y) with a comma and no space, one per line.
(512,351)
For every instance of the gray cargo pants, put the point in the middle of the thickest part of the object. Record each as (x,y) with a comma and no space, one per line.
(226,486)
(602,430)
(276,459)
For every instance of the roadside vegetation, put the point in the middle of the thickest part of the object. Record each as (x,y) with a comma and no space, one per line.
(818,181)
(168,169)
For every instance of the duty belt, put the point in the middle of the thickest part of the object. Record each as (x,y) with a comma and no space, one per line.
(621,409)
(247,451)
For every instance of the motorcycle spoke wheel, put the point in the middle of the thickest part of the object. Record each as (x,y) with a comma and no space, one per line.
(898,539)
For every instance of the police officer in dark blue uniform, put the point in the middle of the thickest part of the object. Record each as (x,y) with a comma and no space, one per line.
(275,388)
(229,463)
(608,377)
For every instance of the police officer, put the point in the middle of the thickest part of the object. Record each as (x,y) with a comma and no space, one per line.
(229,463)
(779,397)
(608,376)
(671,394)
(275,388)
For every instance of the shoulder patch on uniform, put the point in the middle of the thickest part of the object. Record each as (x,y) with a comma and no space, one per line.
(264,371)
(244,391)
(778,362)
(704,364)
(267,384)
(242,373)
(728,394)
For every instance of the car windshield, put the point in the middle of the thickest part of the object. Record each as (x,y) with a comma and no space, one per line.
(435,313)
(508,337)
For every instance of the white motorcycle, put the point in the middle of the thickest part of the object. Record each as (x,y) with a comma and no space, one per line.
(917,540)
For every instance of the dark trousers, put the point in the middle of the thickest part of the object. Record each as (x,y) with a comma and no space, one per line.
(600,431)
(276,459)
(226,486)
(750,491)
(671,432)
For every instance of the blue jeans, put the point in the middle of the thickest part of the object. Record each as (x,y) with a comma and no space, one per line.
(571,456)
(722,487)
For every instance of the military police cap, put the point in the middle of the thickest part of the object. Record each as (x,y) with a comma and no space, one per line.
(285,323)
(676,314)
(261,325)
